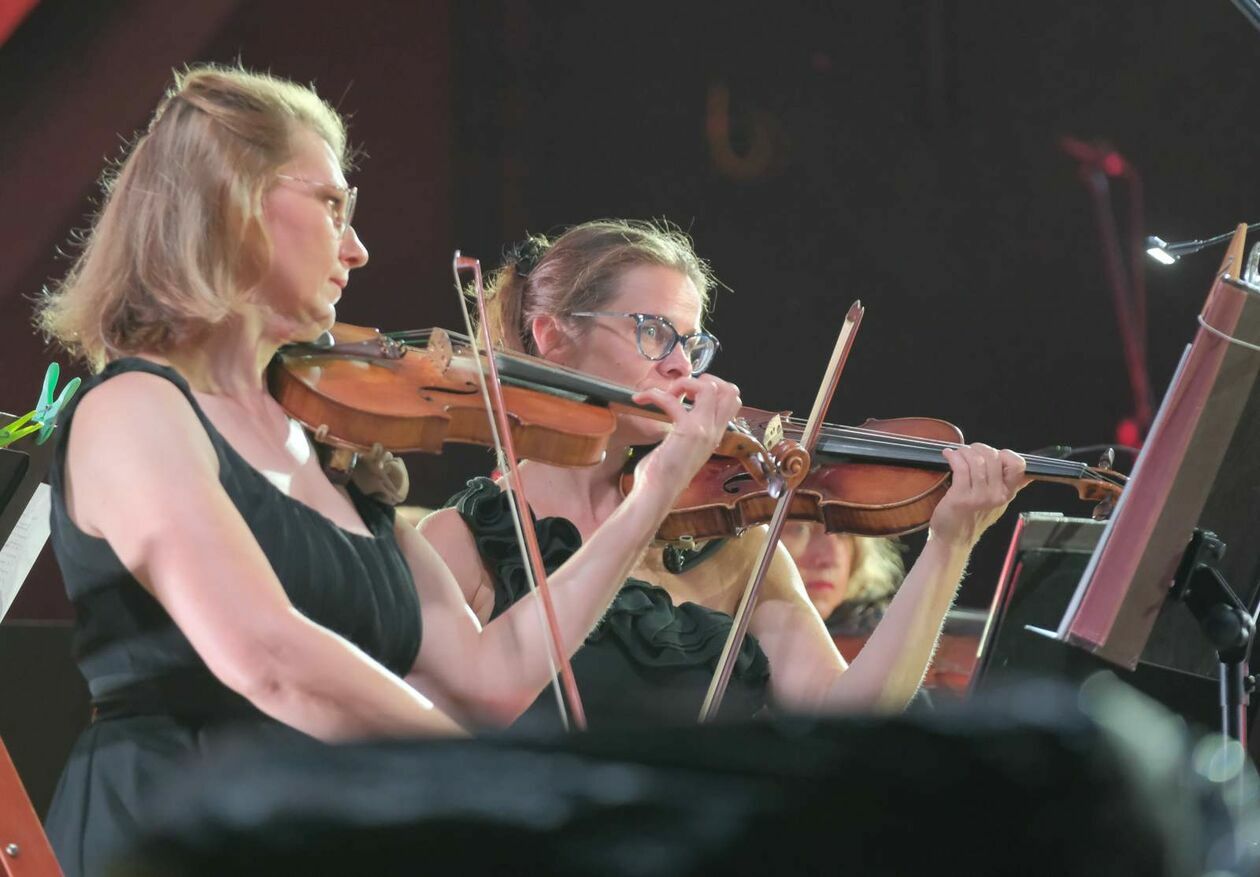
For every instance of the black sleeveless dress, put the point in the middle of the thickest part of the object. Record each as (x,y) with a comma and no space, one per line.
(648,662)
(156,704)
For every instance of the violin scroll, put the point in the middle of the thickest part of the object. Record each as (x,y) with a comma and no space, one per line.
(791,461)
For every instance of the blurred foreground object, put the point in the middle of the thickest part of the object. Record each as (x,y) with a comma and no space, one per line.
(1039,779)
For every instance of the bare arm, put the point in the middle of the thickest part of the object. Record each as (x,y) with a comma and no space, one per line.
(495,673)
(806,670)
(154,495)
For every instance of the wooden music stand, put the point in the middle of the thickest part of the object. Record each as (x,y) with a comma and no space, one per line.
(24,848)
(1144,546)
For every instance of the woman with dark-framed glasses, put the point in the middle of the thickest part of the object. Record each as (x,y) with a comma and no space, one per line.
(223,584)
(625,301)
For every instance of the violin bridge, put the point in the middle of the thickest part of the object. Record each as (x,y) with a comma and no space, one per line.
(439,350)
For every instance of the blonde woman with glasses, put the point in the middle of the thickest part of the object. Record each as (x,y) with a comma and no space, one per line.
(625,301)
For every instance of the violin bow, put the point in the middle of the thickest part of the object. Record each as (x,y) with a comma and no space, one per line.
(809,438)
(500,429)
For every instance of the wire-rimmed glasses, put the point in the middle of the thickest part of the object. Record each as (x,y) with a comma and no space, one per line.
(343,203)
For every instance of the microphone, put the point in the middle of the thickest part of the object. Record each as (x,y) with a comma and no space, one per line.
(1166,254)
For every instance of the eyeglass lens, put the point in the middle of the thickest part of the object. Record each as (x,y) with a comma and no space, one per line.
(657,338)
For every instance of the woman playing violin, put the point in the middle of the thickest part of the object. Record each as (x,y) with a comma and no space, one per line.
(280,599)
(624,301)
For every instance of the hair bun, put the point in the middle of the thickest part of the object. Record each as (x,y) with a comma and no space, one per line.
(525,254)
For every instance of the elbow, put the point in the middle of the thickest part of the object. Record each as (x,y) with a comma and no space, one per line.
(499,709)
(887,699)
(848,692)
(263,670)
(261,685)
(470,700)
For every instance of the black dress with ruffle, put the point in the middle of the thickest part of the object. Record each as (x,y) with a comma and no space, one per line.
(157,706)
(648,661)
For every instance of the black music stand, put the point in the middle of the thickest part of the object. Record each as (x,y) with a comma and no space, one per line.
(1196,473)
(1048,555)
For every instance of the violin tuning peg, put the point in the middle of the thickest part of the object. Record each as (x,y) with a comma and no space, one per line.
(1108,459)
(774,432)
(1102,511)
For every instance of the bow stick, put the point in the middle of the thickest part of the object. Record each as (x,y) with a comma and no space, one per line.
(526,536)
(813,426)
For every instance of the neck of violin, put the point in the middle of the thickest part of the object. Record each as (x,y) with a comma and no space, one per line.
(522,370)
(866,446)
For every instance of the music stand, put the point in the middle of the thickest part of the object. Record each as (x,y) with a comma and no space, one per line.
(1208,415)
(24,848)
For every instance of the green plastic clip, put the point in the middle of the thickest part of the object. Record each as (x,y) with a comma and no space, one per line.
(43,419)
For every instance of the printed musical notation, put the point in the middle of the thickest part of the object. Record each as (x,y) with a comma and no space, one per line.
(23,546)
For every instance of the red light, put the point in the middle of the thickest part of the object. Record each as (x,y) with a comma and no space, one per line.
(1128,434)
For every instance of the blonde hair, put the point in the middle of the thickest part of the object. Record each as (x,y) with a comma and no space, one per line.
(179,238)
(580,271)
(877,569)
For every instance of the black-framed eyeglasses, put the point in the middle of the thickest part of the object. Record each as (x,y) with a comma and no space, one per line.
(657,337)
(342,205)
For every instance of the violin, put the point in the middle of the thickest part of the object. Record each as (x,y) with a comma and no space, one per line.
(883,478)
(417,390)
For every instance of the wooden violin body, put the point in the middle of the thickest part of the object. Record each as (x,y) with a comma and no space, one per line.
(850,497)
(884,478)
(418,399)
(417,391)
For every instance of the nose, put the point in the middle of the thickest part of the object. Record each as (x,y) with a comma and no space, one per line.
(823,548)
(353,254)
(676,364)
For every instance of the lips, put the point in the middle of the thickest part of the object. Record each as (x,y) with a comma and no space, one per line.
(339,282)
(819,585)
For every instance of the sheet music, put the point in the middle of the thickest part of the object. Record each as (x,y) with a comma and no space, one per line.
(23,546)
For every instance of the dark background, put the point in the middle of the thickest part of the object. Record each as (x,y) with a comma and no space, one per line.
(904,153)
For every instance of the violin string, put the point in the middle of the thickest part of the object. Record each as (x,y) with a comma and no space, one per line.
(567,379)
(794,426)
(911,442)
(1066,468)
(835,431)
(1045,465)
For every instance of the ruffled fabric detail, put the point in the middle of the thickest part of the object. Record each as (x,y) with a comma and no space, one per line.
(656,633)
(484,508)
(642,619)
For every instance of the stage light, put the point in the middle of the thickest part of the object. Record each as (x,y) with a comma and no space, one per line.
(1165,253)
(1156,249)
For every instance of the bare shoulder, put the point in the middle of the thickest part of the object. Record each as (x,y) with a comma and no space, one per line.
(445,525)
(449,535)
(132,437)
(139,405)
